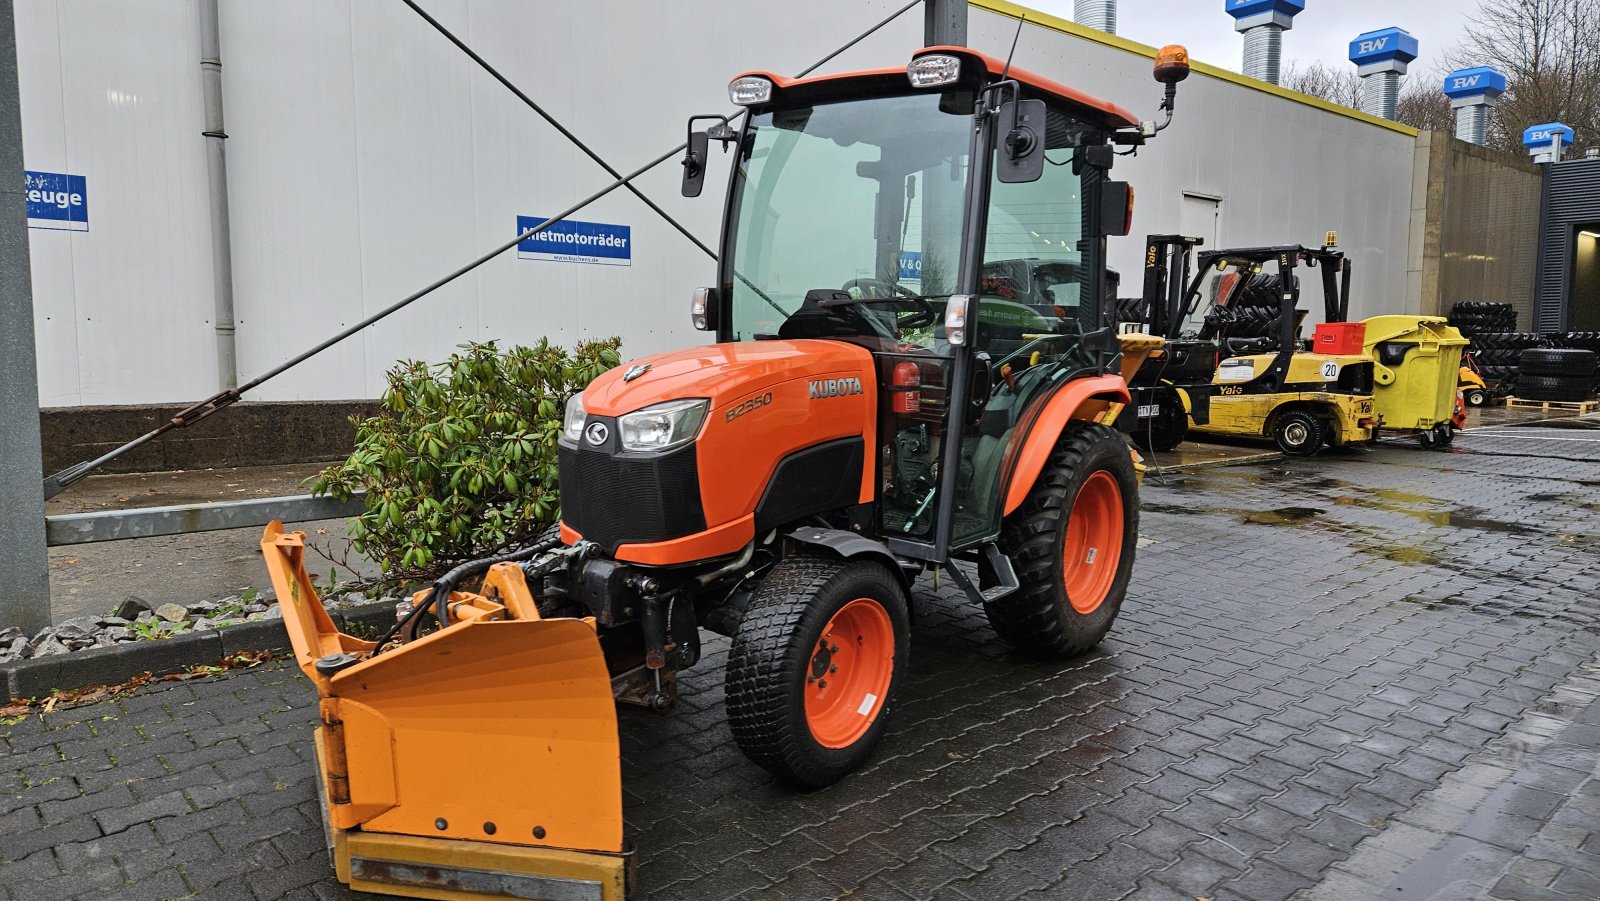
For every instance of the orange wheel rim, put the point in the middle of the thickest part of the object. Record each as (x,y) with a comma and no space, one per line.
(1093,546)
(849,672)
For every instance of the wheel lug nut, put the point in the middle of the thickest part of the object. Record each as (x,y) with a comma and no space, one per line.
(833,669)
(823,684)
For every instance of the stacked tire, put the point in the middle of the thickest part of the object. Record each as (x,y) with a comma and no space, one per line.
(1557,374)
(1132,309)
(1589,341)
(1256,312)
(1500,355)
(1471,317)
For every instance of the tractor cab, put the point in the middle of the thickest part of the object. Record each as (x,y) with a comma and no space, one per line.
(949,218)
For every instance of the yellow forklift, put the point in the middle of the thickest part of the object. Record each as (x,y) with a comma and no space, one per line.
(1267,383)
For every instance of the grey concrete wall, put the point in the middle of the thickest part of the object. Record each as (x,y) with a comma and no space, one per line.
(1474,227)
(246,434)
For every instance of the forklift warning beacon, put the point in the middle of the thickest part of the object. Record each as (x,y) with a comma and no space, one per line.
(850,429)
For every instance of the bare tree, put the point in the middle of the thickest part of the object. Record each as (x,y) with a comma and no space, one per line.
(1422,105)
(1336,85)
(1550,53)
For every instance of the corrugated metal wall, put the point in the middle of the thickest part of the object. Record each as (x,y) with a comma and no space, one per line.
(1573,199)
(366,157)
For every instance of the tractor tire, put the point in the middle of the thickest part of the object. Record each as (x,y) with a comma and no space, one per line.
(1073,542)
(1298,433)
(1544,387)
(1166,431)
(1558,363)
(816,666)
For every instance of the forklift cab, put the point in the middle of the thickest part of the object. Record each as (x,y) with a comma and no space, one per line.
(952,222)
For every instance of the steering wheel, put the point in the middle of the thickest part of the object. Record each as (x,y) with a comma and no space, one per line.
(924,313)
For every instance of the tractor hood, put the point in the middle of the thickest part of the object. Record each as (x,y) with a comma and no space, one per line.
(722,373)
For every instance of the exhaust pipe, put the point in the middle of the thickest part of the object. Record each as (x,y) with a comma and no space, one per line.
(1263,23)
(1097,14)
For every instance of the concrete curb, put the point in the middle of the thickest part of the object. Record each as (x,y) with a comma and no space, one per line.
(41,676)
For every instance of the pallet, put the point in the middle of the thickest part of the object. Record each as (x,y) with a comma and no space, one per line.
(1568,406)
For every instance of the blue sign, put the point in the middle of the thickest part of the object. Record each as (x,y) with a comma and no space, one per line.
(910,265)
(1240,9)
(1540,137)
(570,241)
(1478,81)
(1382,46)
(57,201)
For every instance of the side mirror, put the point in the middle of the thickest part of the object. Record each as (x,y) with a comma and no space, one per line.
(694,163)
(1116,208)
(1021,134)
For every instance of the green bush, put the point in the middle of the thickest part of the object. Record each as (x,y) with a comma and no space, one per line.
(461,462)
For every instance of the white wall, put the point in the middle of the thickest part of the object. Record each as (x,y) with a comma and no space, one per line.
(368,157)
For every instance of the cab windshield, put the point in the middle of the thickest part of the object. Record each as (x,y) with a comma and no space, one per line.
(863,197)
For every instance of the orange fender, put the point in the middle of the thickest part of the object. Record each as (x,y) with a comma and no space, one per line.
(1035,438)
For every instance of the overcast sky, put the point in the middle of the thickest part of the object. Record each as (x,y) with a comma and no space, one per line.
(1322,33)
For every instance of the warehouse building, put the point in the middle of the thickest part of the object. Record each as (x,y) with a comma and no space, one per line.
(367,157)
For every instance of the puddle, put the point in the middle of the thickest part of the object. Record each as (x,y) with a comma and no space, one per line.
(1400,554)
(1283,516)
(1174,509)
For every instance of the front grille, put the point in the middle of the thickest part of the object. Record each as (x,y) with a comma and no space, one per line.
(615,499)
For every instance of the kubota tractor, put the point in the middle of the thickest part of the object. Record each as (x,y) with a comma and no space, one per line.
(866,414)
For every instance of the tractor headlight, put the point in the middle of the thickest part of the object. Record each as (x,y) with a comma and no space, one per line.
(663,426)
(572,422)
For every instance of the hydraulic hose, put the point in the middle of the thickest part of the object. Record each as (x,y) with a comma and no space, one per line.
(439,595)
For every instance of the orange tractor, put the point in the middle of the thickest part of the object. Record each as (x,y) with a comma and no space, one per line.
(868,413)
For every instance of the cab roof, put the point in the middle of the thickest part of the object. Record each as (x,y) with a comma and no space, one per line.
(1112,114)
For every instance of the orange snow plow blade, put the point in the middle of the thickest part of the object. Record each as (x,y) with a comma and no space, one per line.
(479,761)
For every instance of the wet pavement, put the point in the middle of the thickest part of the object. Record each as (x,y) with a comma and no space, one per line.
(1371,674)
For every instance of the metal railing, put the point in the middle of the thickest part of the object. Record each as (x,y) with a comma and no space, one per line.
(179,519)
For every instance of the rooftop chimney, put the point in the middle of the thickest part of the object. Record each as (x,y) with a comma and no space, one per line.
(1545,142)
(1381,58)
(1473,93)
(1263,23)
(1100,14)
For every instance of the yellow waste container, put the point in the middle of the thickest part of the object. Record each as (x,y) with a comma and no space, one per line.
(1418,361)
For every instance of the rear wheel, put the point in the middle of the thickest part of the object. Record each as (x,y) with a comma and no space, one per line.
(1477,397)
(1298,433)
(1072,542)
(816,665)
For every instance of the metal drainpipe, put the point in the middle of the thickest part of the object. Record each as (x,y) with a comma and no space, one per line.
(217,192)
(944,23)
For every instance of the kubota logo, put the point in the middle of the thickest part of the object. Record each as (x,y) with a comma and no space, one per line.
(835,387)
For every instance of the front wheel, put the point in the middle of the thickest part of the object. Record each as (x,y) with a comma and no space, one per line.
(816,665)
(1072,542)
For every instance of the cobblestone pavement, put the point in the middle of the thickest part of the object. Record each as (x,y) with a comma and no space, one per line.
(1364,675)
